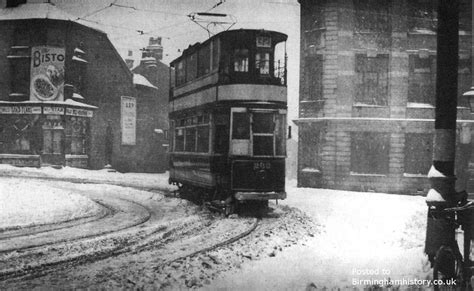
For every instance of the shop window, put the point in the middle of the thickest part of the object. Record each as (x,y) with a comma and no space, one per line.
(76,132)
(422,79)
(418,153)
(204,60)
(191,67)
(370,152)
(241,60)
(372,79)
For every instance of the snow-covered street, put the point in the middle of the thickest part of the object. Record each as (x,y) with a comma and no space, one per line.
(341,237)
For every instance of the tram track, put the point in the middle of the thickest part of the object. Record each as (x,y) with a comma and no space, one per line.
(37,260)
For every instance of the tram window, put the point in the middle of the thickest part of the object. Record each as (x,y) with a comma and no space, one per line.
(240,126)
(241,60)
(191,67)
(180,73)
(203,139)
(262,128)
(215,54)
(262,123)
(221,141)
(179,140)
(204,60)
(263,145)
(262,63)
(280,135)
(190,140)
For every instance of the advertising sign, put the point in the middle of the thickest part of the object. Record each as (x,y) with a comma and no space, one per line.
(47,73)
(129,120)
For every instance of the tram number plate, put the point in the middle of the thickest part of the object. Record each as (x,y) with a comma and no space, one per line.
(262,165)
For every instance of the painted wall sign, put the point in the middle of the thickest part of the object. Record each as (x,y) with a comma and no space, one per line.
(47,73)
(79,112)
(20,110)
(53,110)
(129,120)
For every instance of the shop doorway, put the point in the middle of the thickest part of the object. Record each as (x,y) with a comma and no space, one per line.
(53,141)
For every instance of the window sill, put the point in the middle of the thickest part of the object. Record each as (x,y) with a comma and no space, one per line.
(368,105)
(367,175)
(408,175)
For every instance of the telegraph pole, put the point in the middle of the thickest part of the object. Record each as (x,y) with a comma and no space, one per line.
(442,193)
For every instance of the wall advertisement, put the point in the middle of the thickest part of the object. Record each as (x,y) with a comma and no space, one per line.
(47,73)
(128,120)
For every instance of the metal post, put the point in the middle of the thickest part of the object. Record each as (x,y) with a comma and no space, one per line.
(442,193)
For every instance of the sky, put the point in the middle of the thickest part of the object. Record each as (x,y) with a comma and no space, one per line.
(130,23)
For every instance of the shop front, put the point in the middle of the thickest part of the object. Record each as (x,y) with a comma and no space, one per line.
(45,133)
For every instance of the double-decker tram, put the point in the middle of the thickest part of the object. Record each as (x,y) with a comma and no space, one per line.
(227,110)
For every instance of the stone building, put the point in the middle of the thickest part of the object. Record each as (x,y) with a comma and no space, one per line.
(367,93)
(66,95)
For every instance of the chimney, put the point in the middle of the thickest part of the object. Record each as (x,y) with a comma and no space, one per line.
(129,59)
(154,48)
(14,3)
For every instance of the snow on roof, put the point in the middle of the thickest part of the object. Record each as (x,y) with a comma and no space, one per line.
(142,81)
(74,58)
(39,11)
(77,96)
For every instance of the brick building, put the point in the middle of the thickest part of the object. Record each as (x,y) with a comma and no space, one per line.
(66,95)
(367,93)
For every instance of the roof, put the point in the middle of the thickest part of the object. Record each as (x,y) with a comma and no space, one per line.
(142,81)
(40,11)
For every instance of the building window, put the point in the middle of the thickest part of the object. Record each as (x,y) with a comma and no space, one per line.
(422,15)
(370,152)
(421,79)
(310,147)
(464,79)
(372,16)
(418,153)
(372,79)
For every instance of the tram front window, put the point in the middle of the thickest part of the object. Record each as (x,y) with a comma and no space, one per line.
(241,60)
(262,63)
(262,128)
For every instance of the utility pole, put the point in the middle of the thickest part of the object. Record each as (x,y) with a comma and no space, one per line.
(442,193)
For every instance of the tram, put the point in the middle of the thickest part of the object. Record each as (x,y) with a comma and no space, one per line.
(227,111)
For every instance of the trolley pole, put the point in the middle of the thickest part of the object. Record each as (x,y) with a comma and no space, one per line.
(442,193)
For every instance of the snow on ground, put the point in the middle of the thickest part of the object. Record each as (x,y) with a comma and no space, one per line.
(364,235)
(30,203)
(108,176)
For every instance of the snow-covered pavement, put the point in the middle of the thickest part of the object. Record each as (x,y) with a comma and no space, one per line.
(361,232)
